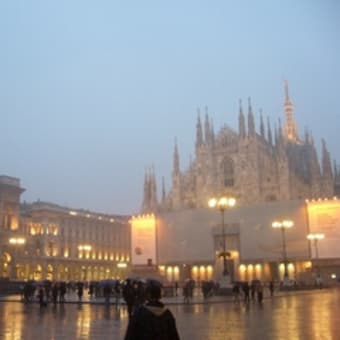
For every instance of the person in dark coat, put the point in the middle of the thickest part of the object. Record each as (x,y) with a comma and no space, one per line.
(129,296)
(152,321)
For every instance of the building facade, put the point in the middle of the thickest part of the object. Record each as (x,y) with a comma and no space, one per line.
(46,241)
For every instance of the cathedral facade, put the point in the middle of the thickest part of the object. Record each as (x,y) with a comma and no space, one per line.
(253,165)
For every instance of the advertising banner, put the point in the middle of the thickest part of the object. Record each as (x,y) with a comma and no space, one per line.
(143,240)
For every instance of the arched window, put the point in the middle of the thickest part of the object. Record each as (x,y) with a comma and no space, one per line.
(228,172)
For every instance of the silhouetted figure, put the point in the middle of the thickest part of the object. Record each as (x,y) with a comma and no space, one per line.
(129,296)
(271,288)
(55,290)
(80,290)
(107,293)
(152,321)
(91,289)
(236,292)
(186,292)
(259,291)
(41,297)
(117,293)
(245,288)
(176,288)
(252,290)
(62,292)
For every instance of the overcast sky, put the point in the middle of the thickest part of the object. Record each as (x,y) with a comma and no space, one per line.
(93,92)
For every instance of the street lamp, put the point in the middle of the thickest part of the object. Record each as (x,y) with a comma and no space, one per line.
(283,225)
(221,204)
(315,238)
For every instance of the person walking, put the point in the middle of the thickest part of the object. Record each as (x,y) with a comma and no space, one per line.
(236,292)
(271,288)
(80,290)
(152,321)
(245,289)
(259,291)
(129,296)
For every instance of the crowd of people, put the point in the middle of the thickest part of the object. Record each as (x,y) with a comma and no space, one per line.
(250,292)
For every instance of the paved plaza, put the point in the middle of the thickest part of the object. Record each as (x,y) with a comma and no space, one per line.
(293,315)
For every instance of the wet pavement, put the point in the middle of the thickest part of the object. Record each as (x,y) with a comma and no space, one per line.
(294,316)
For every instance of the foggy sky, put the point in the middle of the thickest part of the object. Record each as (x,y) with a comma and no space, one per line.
(93,92)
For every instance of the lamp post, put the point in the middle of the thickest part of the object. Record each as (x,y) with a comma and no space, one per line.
(283,225)
(315,238)
(222,204)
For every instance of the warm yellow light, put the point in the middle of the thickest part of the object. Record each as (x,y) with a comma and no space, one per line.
(232,201)
(222,202)
(143,221)
(287,223)
(86,247)
(284,224)
(276,224)
(317,236)
(242,268)
(17,240)
(212,202)
(121,265)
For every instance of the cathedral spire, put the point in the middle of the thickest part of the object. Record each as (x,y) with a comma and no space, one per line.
(153,190)
(262,125)
(207,130)
(146,198)
(326,161)
(269,132)
(163,191)
(251,122)
(199,133)
(176,194)
(307,139)
(241,122)
(212,133)
(176,169)
(290,125)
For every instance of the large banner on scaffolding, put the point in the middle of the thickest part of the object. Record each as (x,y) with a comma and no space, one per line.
(143,240)
(324,219)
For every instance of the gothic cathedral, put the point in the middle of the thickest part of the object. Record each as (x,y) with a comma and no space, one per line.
(253,166)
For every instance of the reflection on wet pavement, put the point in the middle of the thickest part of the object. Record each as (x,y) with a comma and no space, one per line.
(301,316)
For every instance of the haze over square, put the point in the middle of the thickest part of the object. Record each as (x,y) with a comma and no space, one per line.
(92,94)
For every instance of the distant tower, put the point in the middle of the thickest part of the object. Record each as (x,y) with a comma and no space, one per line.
(241,122)
(251,122)
(262,131)
(290,127)
(199,132)
(176,179)
(327,175)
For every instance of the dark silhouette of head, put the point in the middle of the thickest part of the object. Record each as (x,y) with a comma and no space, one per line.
(153,291)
